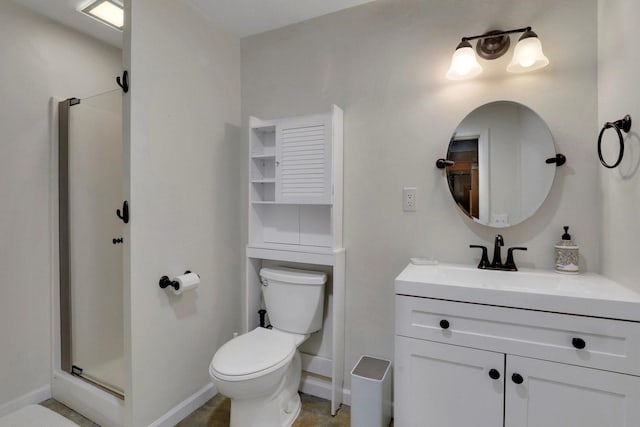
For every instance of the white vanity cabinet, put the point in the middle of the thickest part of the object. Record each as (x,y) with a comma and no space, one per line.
(464,362)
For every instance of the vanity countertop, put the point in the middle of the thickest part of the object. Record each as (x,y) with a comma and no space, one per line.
(585,294)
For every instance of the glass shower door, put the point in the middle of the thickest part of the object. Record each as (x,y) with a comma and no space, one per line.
(94,290)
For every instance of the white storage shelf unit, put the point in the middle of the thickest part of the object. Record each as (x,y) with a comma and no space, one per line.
(295,217)
(296,183)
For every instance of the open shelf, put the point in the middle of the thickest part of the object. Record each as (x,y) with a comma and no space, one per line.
(320,250)
(263,191)
(263,168)
(263,141)
(264,156)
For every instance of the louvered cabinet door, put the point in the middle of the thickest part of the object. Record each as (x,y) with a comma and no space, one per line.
(303,160)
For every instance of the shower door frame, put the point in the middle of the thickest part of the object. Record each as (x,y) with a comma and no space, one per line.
(66,342)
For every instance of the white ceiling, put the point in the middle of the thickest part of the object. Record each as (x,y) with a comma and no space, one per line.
(242,17)
(66,12)
(248,17)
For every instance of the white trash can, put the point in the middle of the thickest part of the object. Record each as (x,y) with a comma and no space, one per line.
(371,393)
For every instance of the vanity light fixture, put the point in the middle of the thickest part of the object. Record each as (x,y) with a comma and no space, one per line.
(527,55)
(109,12)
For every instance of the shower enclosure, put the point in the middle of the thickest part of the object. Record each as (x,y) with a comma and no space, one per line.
(90,240)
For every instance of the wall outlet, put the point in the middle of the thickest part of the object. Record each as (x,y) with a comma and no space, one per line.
(409,199)
(500,219)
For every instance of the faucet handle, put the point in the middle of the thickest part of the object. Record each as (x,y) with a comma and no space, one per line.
(484,261)
(510,264)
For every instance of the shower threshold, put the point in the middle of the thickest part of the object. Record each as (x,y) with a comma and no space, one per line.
(78,372)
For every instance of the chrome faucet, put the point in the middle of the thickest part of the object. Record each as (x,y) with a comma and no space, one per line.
(496,264)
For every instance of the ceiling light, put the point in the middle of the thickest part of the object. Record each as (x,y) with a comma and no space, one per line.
(108,12)
(527,55)
(464,64)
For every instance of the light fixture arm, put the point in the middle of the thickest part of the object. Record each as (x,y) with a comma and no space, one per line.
(493,34)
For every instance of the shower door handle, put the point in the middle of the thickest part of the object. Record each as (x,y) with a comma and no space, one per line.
(124,216)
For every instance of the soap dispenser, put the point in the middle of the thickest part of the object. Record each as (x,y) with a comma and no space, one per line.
(567,254)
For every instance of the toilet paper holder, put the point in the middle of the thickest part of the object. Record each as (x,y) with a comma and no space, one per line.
(165,282)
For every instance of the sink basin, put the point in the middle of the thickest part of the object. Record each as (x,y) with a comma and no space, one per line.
(464,276)
(586,294)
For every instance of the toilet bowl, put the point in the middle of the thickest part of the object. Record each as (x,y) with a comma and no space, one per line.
(260,370)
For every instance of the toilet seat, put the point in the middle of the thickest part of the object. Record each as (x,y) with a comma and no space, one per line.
(253,355)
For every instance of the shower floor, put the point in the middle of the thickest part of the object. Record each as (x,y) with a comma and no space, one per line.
(109,373)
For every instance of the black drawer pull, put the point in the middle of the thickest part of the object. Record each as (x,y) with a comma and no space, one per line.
(578,343)
(517,378)
(444,324)
(494,374)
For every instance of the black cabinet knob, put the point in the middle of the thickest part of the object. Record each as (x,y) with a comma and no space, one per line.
(517,378)
(494,374)
(444,324)
(578,343)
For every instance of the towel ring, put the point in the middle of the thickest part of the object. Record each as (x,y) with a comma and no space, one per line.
(623,124)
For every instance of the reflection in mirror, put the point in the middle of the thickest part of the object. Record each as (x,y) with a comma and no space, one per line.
(500,176)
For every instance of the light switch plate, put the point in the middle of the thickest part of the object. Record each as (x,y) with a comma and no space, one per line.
(409,199)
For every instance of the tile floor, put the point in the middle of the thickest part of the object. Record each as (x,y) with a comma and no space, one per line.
(315,412)
(215,413)
(69,413)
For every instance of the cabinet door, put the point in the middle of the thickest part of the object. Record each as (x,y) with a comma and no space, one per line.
(441,385)
(303,160)
(557,395)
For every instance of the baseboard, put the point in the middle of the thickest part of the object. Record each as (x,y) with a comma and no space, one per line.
(186,407)
(346,397)
(35,396)
(316,364)
(319,387)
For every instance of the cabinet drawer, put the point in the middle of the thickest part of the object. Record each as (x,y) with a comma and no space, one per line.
(608,344)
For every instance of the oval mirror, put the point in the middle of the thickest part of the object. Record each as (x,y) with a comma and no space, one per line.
(500,172)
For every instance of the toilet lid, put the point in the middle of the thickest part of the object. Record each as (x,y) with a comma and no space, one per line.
(256,351)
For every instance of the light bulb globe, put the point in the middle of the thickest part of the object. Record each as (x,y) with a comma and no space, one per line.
(464,64)
(527,55)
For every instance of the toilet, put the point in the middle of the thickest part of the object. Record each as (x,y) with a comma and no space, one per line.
(260,370)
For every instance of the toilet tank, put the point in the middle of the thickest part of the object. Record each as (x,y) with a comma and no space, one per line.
(294,298)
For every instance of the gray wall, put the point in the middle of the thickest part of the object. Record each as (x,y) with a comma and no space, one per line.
(384,64)
(182,158)
(40,59)
(618,91)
